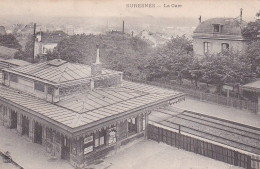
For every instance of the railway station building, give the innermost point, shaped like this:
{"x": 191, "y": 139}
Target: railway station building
{"x": 79, "y": 113}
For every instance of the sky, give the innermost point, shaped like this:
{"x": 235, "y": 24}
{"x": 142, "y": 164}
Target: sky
{"x": 118, "y": 8}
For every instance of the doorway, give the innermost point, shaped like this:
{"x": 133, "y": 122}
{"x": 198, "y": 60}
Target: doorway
{"x": 65, "y": 148}
{"x": 25, "y": 126}
{"x": 37, "y": 133}
{"x": 13, "y": 119}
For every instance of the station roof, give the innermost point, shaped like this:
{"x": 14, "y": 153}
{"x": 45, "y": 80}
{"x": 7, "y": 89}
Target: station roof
{"x": 56, "y": 71}
{"x": 4, "y": 63}
{"x": 215, "y": 129}
{"x": 253, "y": 86}
{"x": 93, "y": 107}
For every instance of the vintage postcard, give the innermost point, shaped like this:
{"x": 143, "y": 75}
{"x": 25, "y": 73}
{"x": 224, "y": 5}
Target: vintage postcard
{"x": 129, "y": 84}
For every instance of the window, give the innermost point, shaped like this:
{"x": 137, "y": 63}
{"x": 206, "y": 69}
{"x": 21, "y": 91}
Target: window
{"x": 225, "y": 47}
{"x": 112, "y": 135}
{"x": 216, "y": 28}
{"x": 100, "y": 138}
{"x": 38, "y": 86}
{"x": 88, "y": 139}
{"x": 88, "y": 149}
{"x": 206, "y": 47}
{"x": 13, "y": 78}
{"x": 88, "y": 144}
{"x": 50, "y": 90}
{"x": 132, "y": 125}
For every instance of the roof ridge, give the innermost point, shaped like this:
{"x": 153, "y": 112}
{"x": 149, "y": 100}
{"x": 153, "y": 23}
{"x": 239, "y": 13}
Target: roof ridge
{"x": 63, "y": 72}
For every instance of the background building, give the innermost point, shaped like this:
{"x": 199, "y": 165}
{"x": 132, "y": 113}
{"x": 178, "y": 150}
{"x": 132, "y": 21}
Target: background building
{"x": 219, "y": 34}
{"x": 47, "y": 41}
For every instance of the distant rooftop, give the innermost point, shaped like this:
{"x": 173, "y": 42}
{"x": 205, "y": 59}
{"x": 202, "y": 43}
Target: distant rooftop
{"x": 53, "y": 37}
{"x": 231, "y": 26}
{"x": 56, "y": 71}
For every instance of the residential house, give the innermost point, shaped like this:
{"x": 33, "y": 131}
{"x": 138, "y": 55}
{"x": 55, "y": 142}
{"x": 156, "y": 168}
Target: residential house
{"x": 215, "y": 35}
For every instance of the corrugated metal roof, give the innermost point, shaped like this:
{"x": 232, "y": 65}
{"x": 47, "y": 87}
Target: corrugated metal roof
{"x": 15, "y": 62}
{"x": 57, "y": 71}
{"x": 42, "y": 107}
{"x": 92, "y": 106}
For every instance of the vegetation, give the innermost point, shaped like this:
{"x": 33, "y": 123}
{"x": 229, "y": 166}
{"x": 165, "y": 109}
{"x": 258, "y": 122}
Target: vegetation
{"x": 172, "y": 62}
{"x": 118, "y": 51}
{"x": 9, "y": 40}
{"x": 27, "y": 54}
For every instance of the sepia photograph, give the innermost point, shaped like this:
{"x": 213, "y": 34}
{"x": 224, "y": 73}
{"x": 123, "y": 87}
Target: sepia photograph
{"x": 129, "y": 84}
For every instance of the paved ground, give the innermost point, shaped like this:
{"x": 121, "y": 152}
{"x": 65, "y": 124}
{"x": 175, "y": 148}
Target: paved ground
{"x": 27, "y": 154}
{"x": 229, "y": 113}
{"x": 142, "y": 155}
{"x": 152, "y": 155}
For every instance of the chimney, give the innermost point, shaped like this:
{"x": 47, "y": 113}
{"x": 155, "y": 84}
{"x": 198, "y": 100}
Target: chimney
{"x": 96, "y": 68}
{"x": 200, "y": 19}
{"x": 241, "y": 14}
{"x": 132, "y": 34}
{"x": 123, "y": 27}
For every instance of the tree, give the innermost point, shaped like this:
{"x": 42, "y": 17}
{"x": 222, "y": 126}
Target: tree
{"x": 195, "y": 71}
{"x": 172, "y": 60}
{"x": 252, "y": 33}
{"x": 9, "y": 41}
{"x": 118, "y": 51}
{"x": 253, "y": 56}
{"x": 27, "y": 54}
{"x": 225, "y": 68}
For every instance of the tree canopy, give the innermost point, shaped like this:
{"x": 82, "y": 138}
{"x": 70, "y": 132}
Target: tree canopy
{"x": 118, "y": 51}
{"x": 9, "y": 40}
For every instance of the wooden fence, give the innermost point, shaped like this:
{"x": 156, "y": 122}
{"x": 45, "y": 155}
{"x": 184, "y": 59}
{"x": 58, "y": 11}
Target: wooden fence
{"x": 208, "y": 97}
{"x": 201, "y": 147}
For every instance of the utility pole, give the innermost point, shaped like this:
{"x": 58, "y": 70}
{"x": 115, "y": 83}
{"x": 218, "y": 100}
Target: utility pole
{"x": 34, "y": 36}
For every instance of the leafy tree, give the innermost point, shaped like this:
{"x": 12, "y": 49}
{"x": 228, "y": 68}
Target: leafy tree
{"x": 195, "y": 71}
{"x": 172, "y": 60}
{"x": 9, "y": 40}
{"x": 253, "y": 56}
{"x": 229, "y": 68}
{"x": 27, "y": 54}
{"x": 118, "y": 51}
{"x": 250, "y": 32}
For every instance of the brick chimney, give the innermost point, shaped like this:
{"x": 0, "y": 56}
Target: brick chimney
{"x": 96, "y": 68}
